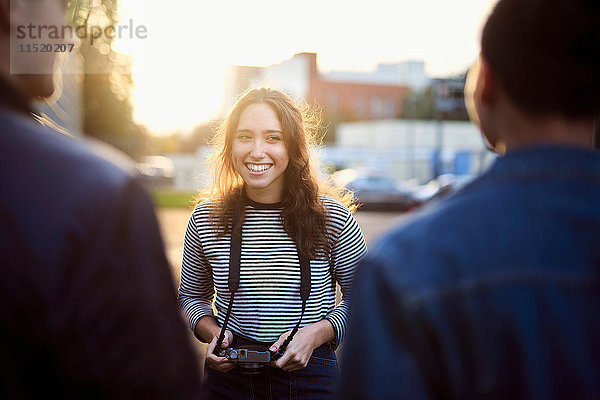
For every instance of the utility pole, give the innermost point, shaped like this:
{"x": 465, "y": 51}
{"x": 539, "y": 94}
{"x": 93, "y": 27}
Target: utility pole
{"x": 439, "y": 138}
{"x": 411, "y": 135}
{"x": 442, "y": 103}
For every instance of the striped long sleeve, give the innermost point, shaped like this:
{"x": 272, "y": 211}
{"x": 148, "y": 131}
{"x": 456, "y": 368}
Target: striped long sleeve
{"x": 267, "y": 302}
{"x": 196, "y": 290}
{"x": 347, "y": 251}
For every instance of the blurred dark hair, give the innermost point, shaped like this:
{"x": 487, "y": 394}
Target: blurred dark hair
{"x": 546, "y": 54}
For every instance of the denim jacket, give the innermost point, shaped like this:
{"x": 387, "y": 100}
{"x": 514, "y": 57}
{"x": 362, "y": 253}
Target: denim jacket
{"x": 491, "y": 294}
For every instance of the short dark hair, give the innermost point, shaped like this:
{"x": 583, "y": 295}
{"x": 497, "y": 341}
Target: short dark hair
{"x": 546, "y": 54}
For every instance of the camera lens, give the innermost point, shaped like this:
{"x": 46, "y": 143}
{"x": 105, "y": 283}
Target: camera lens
{"x": 251, "y": 368}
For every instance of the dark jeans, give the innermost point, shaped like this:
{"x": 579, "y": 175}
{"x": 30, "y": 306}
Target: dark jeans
{"x": 318, "y": 381}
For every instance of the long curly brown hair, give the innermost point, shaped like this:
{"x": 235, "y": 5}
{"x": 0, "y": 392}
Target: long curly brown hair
{"x": 303, "y": 214}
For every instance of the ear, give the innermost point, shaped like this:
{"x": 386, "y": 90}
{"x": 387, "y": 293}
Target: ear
{"x": 484, "y": 101}
{"x": 471, "y": 81}
{"x": 5, "y": 16}
{"x": 487, "y": 86}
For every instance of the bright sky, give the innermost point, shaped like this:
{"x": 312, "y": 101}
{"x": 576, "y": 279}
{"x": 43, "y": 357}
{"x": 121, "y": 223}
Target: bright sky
{"x": 179, "y": 68}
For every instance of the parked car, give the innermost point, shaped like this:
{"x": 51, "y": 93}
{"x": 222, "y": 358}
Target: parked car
{"x": 156, "y": 171}
{"x": 440, "y": 188}
{"x": 377, "y": 192}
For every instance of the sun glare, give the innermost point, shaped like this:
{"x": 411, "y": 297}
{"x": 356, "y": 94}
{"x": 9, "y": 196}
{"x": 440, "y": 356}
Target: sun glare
{"x": 179, "y": 69}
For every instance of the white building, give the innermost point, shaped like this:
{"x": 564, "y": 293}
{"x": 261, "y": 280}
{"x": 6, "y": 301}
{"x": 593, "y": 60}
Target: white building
{"x": 298, "y": 76}
{"x": 291, "y": 75}
{"x": 190, "y": 171}
{"x": 410, "y": 73}
{"x": 408, "y": 150}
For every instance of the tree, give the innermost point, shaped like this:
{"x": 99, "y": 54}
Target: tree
{"x": 420, "y": 104}
{"x": 200, "y": 136}
{"x": 443, "y": 98}
{"x": 107, "y": 80}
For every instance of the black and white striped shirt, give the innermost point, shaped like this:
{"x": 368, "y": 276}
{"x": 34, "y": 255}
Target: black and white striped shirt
{"x": 267, "y": 302}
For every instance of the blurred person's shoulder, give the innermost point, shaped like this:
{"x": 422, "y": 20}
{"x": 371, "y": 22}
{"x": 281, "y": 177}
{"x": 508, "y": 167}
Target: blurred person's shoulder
{"x": 63, "y": 196}
{"x": 40, "y": 153}
{"x": 440, "y": 217}
{"x": 436, "y": 246}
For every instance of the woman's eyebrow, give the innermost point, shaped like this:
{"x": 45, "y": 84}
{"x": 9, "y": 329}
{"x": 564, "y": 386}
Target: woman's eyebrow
{"x": 246, "y": 130}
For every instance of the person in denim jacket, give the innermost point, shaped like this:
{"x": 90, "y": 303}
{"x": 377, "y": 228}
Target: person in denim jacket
{"x": 494, "y": 293}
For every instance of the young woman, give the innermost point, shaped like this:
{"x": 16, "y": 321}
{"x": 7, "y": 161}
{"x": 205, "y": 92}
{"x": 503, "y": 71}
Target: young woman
{"x": 262, "y": 172}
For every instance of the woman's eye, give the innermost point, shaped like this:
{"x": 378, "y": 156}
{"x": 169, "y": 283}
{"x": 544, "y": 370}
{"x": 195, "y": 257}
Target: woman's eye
{"x": 273, "y": 138}
{"x": 243, "y": 137}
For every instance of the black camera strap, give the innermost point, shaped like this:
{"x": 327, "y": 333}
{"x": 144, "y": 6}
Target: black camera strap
{"x": 235, "y": 254}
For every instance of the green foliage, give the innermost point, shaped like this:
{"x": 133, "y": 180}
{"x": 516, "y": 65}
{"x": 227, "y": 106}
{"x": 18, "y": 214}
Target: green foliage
{"x": 420, "y": 104}
{"x": 201, "y": 136}
{"x": 108, "y": 112}
{"x": 77, "y": 11}
{"x": 172, "y": 199}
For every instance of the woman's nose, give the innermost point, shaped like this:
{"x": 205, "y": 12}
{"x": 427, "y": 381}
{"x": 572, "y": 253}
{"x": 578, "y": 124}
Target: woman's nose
{"x": 257, "y": 149}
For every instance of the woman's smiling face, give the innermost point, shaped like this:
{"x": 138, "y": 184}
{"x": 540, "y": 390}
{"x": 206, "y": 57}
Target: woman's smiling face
{"x": 259, "y": 153}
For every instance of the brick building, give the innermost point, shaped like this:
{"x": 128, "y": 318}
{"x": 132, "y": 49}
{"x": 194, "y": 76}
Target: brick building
{"x": 347, "y": 97}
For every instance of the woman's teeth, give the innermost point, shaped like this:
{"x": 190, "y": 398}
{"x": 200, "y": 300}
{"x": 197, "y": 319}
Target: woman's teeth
{"x": 258, "y": 167}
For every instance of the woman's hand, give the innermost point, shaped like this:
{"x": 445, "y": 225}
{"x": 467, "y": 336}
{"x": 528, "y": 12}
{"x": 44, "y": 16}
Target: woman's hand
{"x": 300, "y": 349}
{"x": 219, "y": 363}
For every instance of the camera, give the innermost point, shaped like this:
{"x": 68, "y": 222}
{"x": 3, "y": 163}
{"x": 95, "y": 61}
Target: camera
{"x": 251, "y": 359}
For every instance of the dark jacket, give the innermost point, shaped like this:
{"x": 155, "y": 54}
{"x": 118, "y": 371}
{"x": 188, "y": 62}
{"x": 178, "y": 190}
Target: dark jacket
{"x": 492, "y": 294}
{"x": 87, "y": 303}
